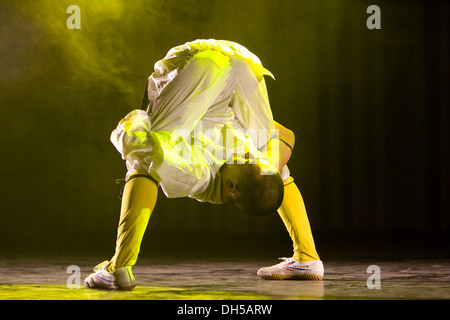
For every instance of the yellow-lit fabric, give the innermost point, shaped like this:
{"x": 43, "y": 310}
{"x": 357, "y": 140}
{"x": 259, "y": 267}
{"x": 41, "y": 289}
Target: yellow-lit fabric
{"x": 138, "y": 201}
{"x": 207, "y": 91}
{"x": 293, "y": 213}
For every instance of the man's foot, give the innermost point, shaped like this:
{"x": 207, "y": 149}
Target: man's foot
{"x": 121, "y": 279}
{"x": 291, "y": 269}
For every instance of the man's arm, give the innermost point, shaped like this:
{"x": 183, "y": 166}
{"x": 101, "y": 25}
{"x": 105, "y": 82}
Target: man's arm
{"x": 285, "y": 141}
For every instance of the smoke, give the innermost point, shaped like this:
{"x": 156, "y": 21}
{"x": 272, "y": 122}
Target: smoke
{"x": 117, "y": 45}
{"x": 34, "y": 35}
{"x": 20, "y": 48}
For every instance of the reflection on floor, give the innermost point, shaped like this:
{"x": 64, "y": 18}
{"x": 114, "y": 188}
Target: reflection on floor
{"x": 169, "y": 279}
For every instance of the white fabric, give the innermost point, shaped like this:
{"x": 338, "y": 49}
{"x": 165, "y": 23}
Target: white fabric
{"x": 208, "y": 100}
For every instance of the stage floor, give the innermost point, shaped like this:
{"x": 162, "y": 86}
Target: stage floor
{"x": 169, "y": 279}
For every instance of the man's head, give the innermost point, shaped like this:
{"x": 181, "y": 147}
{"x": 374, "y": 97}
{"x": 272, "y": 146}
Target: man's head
{"x": 254, "y": 189}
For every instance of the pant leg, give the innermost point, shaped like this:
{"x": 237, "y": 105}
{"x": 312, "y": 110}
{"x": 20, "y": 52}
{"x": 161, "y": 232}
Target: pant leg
{"x": 251, "y": 104}
{"x": 179, "y": 107}
{"x": 184, "y": 100}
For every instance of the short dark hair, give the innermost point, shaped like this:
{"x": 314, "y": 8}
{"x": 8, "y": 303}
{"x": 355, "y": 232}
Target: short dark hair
{"x": 259, "y": 194}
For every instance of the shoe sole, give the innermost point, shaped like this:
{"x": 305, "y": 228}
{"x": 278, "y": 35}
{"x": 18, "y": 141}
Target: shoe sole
{"x": 128, "y": 288}
{"x": 313, "y": 277}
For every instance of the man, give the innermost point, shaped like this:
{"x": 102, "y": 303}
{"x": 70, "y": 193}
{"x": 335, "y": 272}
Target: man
{"x": 208, "y": 133}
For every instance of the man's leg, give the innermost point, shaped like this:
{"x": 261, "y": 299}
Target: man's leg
{"x": 138, "y": 201}
{"x": 305, "y": 263}
{"x": 293, "y": 213}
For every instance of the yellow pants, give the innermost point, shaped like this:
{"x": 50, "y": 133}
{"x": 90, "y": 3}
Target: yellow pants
{"x": 139, "y": 199}
{"x": 293, "y": 213}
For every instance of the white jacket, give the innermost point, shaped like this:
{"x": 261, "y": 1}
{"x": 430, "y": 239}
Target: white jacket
{"x": 207, "y": 100}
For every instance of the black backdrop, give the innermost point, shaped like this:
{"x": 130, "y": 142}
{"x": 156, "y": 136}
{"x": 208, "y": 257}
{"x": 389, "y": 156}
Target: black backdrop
{"x": 370, "y": 109}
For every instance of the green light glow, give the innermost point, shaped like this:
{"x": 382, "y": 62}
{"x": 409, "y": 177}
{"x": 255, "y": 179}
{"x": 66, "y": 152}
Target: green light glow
{"x": 61, "y": 292}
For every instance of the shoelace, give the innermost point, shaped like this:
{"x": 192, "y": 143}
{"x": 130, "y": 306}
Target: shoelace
{"x": 101, "y": 266}
{"x": 284, "y": 260}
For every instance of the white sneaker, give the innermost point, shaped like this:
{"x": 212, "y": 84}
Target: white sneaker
{"x": 291, "y": 269}
{"x": 121, "y": 279}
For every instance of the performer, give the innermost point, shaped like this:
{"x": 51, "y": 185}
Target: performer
{"x": 207, "y": 133}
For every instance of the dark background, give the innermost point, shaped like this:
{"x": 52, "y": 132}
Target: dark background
{"x": 370, "y": 109}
